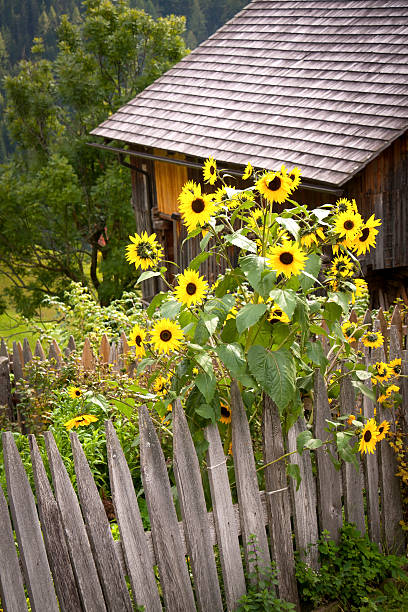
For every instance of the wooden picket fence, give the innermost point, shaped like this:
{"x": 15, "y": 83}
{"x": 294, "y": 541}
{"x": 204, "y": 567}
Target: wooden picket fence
{"x": 68, "y": 559}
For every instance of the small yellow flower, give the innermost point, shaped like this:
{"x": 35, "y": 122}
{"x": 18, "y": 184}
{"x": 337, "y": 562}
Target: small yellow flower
{"x": 145, "y": 252}
{"x": 348, "y": 328}
{"x": 80, "y": 421}
{"x": 381, "y": 372}
{"x": 383, "y": 429}
{"x": 166, "y": 336}
{"x": 191, "y": 288}
{"x": 210, "y": 170}
{"x": 137, "y": 339}
{"x": 277, "y": 314}
{"x": 274, "y": 186}
{"x": 351, "y": 419}
{"x": 74, "y": 392}
{"x": 391, "y": 389}
{"x": 162, "y": 385}
{"x": 395, "y": 367}
{"x": 342, "y": 266}
{"x": 247, "y": 172}
{"x": 369, "y": 437}
{"x": 348, "y": 226}
{"x": 225, "y": 412}
{"x": 372, "y": 339}
{"x": 287, "y": 258}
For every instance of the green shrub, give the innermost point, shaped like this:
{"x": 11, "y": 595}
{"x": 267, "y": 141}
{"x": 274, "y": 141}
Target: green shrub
{"x": 350, "y": 571}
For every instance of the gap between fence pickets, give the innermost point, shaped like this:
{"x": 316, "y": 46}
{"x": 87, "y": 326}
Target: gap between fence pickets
{"x": 213, "y": 535}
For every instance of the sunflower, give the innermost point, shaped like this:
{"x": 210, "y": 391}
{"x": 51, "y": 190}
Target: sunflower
{"x": 225, "y": 413}
{"x": 277, "y": 314}
{"x": 191, "y": 288}
{"x": 287, "y": 259}
{"x": 382, "y": 398}
{"x": 82, "y": 420}
{"x": 256, "y": 220}
{"x": 369, "y": 437}
{"x": 274, "y": 186}
{"x": 342, "y": 266}
{"x": 294, "y": 177}
{"x": 383, "y": 429}
{"x": 247, "y": 172}
{"x": 145, "y": 252}
{"x": 350, "y": 419}
{"x": 339, "y": 247}
{"x": 372, "y": 339}
{"x": 310, "y": 237}
{"x": 195, "y": 207}
{"x": 348, "y": 328}
{"x": 137, "y": 339}
{"x": 74, "y": 392}
{"x": 391, "y": 389}
{"x": 162, "y": 384}
{"x": 381, "y": 372}
{"x": 361, "y": 287}
{"x": 348, "y": 225}
{"x": 366, "y": 238}
{"x": 345, "y": 205}
{"x": 166, "y": 336}
{"x": 395, "y": 367}
{"x": 210, "y": 170}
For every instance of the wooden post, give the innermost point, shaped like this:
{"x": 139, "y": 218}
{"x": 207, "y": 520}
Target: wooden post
{"x": 5, "y": 387}
{"x": 88, "y": 358}
{"x": 278, "y": 502}
{"x": 39, "y": 351}
{"x": 104, "y": 350}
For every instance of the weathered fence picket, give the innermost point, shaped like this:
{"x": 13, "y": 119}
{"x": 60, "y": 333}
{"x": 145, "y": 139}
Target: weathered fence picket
{"x": 278, "y": 502}
{"x": 83, "y": 563}
{"x": 27, "y": 527}
{"x": 328, "y": 479}
{"x": 174, "y": 578}
{"x": 224, "y": 519}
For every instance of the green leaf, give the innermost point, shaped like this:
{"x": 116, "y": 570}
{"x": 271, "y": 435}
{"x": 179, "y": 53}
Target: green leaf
{"x": 170, "y": 309}
{"x": 293, "y": 471}
{"x": 229, "y": 332}
{"x": 289, "y": 224}
{"x": 206, "y": 411}
{"x": 316, "y": 354}
{"x": 204, "y": 241}
{"x": 201, "y": 333}
{"x": 285, "y": 299}
{"x": 370, "y": 393}
{"x": 123, "y": 408}
{"x": 197, "y": 261}
{"x": 202, "y": 358}
{"x": 206, "y": 383}
{"x": 309, "y": 275}
{"x": 313, "y": 443}
{"x": 362, "y": 374}
{"x": 257, "y": 273}
{"x": 241, "y": 241}
{"x": 302, "y": 440}
{"x": 344, "y": 448}
{"x": 340, "y": 298}
{"x": 210, "y": 321}
{"x": 275, "y": 372}
{"x": 232, "y": 356}
{"x": 332, "y": 313}
{"x": 143, "y": 364}
{"x": 249, "y": 315}
{"x": 147, "y": 274}
{"x": 156, "y": 302}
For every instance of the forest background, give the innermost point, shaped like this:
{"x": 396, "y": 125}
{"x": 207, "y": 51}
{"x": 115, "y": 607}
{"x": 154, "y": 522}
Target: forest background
{"x": 65, "y": 66}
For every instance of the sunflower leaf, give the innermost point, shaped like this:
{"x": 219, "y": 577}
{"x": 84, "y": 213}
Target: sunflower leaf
{"x": 147, "y": 274}
{"x": 206, "y": 382}
{"x": 308, "y": 277}
{"x": 290, "y": 225}
{"x": 207, "y": 412}
{"x": 256, "y": 271}
{"x": 232, "y": 356}
{"x": 285, "y": 299}
{"x": 197, "y": 261}
{"x": 302, "y": 439}
{"x": 275, "y": 372}
{"x": 293, "y": 471}
{"x": 370, "y": 393}
{"x": 249, "y": 315}
{"x": 241, "y": 241}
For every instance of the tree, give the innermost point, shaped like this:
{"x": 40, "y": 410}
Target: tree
{"x": 65, "y": 211}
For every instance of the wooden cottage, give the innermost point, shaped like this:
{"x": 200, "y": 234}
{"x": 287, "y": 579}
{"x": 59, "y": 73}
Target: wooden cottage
{"x": 319, "y": 84}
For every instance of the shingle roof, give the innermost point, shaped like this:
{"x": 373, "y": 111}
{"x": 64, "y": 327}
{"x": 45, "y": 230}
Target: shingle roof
{"x": 314, "y": 83}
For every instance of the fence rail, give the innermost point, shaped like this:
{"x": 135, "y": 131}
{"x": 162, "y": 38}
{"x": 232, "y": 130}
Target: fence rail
{"x": 68, "y": 558}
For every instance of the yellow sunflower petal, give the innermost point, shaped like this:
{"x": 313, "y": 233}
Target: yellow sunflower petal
{"x": 166, "y": 336}
{"x": 287, "y": 259}
{"x": 191, "y": 288}
{"x": 210, "y": 170}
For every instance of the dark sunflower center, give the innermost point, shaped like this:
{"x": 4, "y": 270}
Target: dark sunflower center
{"x": 278, "y": 313}
{"x": 165, "y": 335}
{"x": 274, "y": 184}
{"x": 138, "y": 340}
{"x": 80, "y": 419}
{"x": 381, "y": 429}
{"x": 212, "y": 169}
{"x": 396, "y": 369}
{"x": 286, "y": 258}
{"x": 292, "y": 177}
{"x": 144, "y": 250}
{"x": 364, "y": 234}
{"x": 191, "y": 288}
{"x": 367, "y": 436}
{"x": 225, "y": 411}
{"x": 372, "y": 337}
{"x": 198, "y": 205}
{"x": 77, "y": 393}
{"x": 259, "y": 221}
{"x": 348, "y": 225}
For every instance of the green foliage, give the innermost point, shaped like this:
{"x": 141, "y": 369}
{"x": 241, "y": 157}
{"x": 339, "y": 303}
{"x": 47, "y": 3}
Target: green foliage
{"x": 261, "y": 594}
{"x": 65, "y": 208}
{"x": 350, "y": 572}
